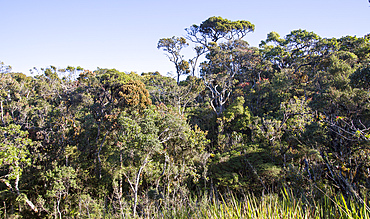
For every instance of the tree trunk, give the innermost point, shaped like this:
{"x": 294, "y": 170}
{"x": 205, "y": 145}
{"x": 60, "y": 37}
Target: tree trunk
{"x": 2, "y": 112}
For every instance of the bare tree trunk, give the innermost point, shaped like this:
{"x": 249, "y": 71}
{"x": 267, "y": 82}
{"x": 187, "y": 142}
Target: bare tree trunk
{"x": 29, "y": 203}
{"x": 2, "y": 112}
{"x": 135, "y": 186}
{"x": 58, "y": 208}
{"x": 120, "y": 193}
{"x": 99, "y": 161}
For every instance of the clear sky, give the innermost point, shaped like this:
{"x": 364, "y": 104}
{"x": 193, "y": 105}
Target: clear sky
{"x": 124, "y": 34}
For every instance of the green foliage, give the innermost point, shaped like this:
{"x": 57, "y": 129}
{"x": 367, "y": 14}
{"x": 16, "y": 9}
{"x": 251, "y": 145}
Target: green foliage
{"x": 173, "y": 47}
{"x": 61, "y": 183}
{"x": 14, "y": 154}
{"x": 361, "y": 77}
{"x": 237, "y": 109}
{"x": 296, "y": 50}
{"x": 165, "y": 90}
{"x": 226, "y": 62}
{"x": 292, "y": 114}
{"x": 216, "y": 28}
{"x": 14, "y": 158}
{"x": 249, "y": 167}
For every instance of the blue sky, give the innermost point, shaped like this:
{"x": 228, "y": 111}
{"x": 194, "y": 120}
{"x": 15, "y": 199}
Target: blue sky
{"x": 124, "y": 34}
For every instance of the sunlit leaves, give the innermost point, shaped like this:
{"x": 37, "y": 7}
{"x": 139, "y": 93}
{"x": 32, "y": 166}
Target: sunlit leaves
{"x": 14, "y": 154}
{"x": 215, "y": 28}
{"x": 132, "y": 95}
{"x": 173, "y": 47}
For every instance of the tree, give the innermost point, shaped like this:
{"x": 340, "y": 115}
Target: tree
{"x": 296, "y": 50}
{"x": 360, "y": 46}
{"x": 199, "y": 51}
{"x": 60, "y": 181}
{"x": 215, "y": 28}
{"x": 165, "y": 90}
{"x": 361, "y": 78}
{"x": 157, "y": 148}
{"x": 5, "y": 68}
{"x": 173, "y": 47}
{"x": 14, "y": 158}
{"x": 226, "y": 61}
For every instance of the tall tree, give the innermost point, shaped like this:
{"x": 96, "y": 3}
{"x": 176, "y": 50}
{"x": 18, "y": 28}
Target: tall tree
{"x": 173, "y": 47}
{"x": 225, "y": 62}
{"x": 215, "y": 28}
{"x": 164, "y": 90}
{"x": 14, "y": 158}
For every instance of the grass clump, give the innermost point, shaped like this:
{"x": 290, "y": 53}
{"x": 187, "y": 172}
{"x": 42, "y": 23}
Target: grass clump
{"x": 269, "y": 206}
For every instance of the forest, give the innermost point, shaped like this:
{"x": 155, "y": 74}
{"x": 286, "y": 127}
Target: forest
{"x": 276, "y": 131}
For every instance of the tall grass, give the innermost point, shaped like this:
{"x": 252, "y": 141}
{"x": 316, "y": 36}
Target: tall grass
{"x": 270, "y": 206}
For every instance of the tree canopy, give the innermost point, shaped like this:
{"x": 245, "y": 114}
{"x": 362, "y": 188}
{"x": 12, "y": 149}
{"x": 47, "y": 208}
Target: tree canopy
{"x": 290, "y": 115}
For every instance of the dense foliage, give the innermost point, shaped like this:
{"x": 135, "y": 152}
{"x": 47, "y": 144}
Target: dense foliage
{"x": 293, "y": 113}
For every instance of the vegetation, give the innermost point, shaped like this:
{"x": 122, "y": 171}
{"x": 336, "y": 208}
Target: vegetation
{"x": 278, "y": 131}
